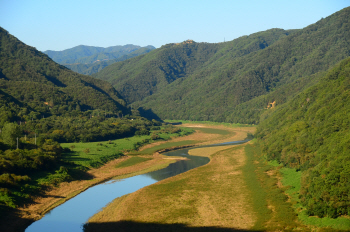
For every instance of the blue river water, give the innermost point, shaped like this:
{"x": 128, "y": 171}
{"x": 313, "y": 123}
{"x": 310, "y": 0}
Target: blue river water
{"x": 72, "y": 215}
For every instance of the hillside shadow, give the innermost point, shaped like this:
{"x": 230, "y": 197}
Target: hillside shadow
{"x": 2, "y": 76}
{"x": 131, "y": 226}
{"x": 55, "y": 81}
{"x": 175, "y": 123}
{"x": 73, "y": 156}
{"x": 11, "y": 221}
{"x": 149, "y": 114}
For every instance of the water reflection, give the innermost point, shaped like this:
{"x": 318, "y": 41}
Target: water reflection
{"x": 185, "y": 165}
{"x": 178, "y": 167}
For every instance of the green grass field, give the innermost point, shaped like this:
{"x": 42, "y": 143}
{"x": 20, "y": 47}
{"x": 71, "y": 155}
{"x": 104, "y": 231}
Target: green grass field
{"x": 273, "y": 211}
{"x": 291, "y": 180}
{"x": 99, "y": 152}
{"x": 95, "y": 154}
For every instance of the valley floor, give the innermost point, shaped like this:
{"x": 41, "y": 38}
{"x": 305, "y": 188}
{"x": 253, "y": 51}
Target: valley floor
{"x": 213, "y": 196}
{"x": 20, "y": 219}
{"x": 235, "y": 191}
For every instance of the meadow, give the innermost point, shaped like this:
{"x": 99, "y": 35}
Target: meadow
{"x": 95, "y": 154}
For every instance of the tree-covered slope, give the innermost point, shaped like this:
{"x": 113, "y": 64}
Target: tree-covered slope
{"x": 232, "y": 81}
{"x": 31, "y": 81}
{"x": 88, "y": 59}
{"x": 174, "y": 63}
{"x": 311, "y": 132}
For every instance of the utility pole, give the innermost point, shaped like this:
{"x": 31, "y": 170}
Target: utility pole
{"x": 35, "y": 138}
{"x": 17, "y": 142}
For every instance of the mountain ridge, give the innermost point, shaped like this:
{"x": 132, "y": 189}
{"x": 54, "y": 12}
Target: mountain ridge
{"x": 33, "y": 78}
{"x": 231, "y": 81}
{"x": 90, "y": 59}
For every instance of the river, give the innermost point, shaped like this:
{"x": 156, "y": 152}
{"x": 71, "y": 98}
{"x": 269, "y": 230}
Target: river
{"x": 73, "y": 214}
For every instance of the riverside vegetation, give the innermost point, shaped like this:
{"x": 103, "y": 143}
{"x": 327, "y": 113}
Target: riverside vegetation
{"x": 28, "y": 173}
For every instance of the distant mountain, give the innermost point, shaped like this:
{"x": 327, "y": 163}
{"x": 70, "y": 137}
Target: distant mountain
{"x": 88, "y": 59}
{"x": 89, "y": 69}
{"x": 31, "y": 82}
{"x": 233, "y": 81}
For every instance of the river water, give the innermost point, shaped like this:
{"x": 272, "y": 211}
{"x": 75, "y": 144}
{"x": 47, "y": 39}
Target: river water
{"x": 72, "y": 215}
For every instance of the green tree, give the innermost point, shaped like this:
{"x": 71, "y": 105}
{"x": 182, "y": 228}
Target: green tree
{"x": 9, "y": 134}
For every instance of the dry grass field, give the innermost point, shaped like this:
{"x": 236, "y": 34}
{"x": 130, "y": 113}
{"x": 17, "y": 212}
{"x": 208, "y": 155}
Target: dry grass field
{"x": 58, "y": 195}
{"x": 212, "y": 197}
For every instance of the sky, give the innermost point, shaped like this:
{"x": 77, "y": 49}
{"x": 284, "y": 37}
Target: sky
{"x": 58, "y": 25}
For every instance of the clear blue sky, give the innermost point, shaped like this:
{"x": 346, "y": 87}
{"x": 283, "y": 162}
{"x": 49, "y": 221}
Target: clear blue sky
{"x": 58, "y": 25}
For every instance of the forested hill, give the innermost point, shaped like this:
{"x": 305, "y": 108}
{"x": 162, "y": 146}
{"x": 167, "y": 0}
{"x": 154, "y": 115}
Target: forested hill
{"x": 233, "y": 81}
{"x": 152, "y": 72}
{"x": 88, "y": 59}
{"x": 31, "y": 82}
{"x": 311, "y": 132}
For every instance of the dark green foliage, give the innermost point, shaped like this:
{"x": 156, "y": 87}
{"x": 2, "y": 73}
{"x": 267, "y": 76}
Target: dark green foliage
{"x": 84, "y": 127}
{"x": 17, "y": 165}
{"x": 174, "y": 62}
{"x": 9, "y": 133}
{"x": 232, "y": 81}
{"x": 33, "y": 86}
{"x": 311, "y": 133}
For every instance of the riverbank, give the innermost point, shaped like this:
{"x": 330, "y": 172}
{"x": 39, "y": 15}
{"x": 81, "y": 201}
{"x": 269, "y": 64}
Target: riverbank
{"x": 236, "y": 191}
{"x": 210, "y": 197}
{"x": 65, "y": 191}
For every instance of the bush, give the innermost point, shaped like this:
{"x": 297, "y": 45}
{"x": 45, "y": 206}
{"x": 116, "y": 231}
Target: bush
{"x": 155, "y": 137}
